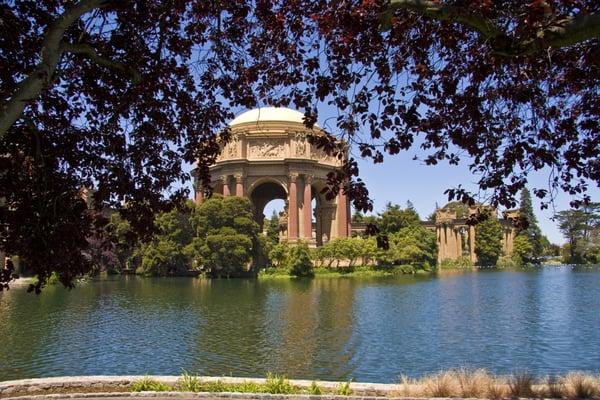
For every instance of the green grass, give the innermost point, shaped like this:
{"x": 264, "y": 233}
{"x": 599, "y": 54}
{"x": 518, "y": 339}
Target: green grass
{"x": 147, "y": 384}
{"x": 279, "y": 384}
{"x": 314, "y": 389}
{"x": 275, "y": 384}
{"x": 343, "y": 389}
{"x": 355, "y": 272}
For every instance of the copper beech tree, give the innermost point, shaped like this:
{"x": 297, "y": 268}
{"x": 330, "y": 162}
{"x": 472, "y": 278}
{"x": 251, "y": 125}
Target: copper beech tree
{"x": 115, "y": 95}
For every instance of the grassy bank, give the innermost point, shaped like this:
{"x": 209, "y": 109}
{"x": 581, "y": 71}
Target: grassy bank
{"x": 359, "y": 271}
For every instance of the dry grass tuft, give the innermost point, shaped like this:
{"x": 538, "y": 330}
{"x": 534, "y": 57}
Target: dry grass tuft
{"x": 554, "y": 388}
{"x": 580, "y": 386}
{"x": 443, "y": 384}
{"x": 480, "y": 384}
{"x": 473, "y": 383}
{"x": 521, "y": 385}
{"x": 496, "y": 390}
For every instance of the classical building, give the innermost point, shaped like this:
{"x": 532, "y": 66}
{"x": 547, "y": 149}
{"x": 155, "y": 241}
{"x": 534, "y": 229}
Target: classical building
{"x": 456, "y": 238}
{"x": 269, "y": 157}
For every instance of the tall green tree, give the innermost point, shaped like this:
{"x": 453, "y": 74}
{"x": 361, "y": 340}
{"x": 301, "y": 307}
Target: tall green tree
{"x": 164, "y": 254}
{"x": 532, "y": 232}
{"x": 580, "y": 227}
{"x": 412, "y": 245}
{"x": 394, "y": 218}
{"x": 488, "y": 241}
{"x": 273, "y": 228}
{"x": 225, "y": 235}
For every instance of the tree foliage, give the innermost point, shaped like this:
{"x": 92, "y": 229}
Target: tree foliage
{"x": 226, "y": 235}
{"x": 413, "y": 245}
{"x": 581, "y": 228}
{"x": 394, "y": 218}
{"x": 298, "y": 261}
{"x": 488, "y": 241}
{"x": 115, "y": 95}
{"x": 531, "y": 231}
{"x": 164, "y": 254}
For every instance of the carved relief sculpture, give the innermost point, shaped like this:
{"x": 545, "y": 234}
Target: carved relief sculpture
{"x": 267, "y": 149}
{"x": 301, "y": 144}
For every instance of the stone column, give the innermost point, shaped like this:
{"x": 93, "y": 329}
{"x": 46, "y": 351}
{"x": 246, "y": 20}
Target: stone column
{"x": 472, "y": 254}
{"x": 225, "y": 180}
{"x": 458, "y": 242}
{"x": 239, "y": 185}
{"x": 440, "y": 242}
{"x": 199, "y": 197}
{"x": 307, "y": 209}
{"x": 342, "y": 214}
{"x": 293, "y": 208}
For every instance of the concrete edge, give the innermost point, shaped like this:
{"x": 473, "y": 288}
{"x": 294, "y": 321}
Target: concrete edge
{"x": 31, "y": 386}
{"x": 206, "y": 395}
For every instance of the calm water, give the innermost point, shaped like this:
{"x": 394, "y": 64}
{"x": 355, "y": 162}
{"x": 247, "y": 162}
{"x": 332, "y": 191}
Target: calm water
{"x": 546, "y": 322}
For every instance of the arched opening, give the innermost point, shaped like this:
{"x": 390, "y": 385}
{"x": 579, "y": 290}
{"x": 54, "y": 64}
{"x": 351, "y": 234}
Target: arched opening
{"x": 264, "y": 194}
{"x": 272, "y": 214}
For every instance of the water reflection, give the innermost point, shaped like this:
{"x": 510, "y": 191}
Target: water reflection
{"x": 372, "y": 330}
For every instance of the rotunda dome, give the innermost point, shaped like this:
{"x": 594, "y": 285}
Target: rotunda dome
{"x": 269, "y": 114}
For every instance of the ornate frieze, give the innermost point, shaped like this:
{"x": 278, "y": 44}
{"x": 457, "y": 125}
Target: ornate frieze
{"x": 266, "y": 148}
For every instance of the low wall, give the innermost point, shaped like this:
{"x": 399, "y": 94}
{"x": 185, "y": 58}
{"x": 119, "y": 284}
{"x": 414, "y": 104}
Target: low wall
{"x": 115, "y": 384}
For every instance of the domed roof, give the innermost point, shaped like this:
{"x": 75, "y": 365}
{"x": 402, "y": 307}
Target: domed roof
{"x": 263, "y": 114}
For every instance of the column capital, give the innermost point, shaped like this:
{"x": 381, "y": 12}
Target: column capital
{"x": 293, "y": 176}
{"x": 308, "y": 178}
{"x": 238, "y": 177}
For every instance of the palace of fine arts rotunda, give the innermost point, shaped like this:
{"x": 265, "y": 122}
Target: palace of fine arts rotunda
{"x": 269, "y": 157}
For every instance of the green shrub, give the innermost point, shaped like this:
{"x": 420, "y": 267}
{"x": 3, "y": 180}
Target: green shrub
{"x": 298, "y": 260}
{"x": 189, "y": 383}
{"x": 315, "y": 389}
{"x": 147, "y": 384}
{"x": 278, "y": 254}
{"x": 278, "y": 384}
{"x": 248, "y": 387}
{"x": 461, "y": 263}
{"x": 343, "y": 389}
{"x": 508, "y": 262}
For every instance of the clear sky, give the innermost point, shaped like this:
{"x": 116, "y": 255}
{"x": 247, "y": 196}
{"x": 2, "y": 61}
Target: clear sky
{"x": 399, "y": 178}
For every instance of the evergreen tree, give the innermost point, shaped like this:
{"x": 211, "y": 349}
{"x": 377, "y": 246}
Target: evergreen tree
{"x": 488, "y": 241}
{"x": 532, "y": 232}
{"x": 273, "y": 228}
{"x": 581, "y": 228}
{"x": 394, "y": 218}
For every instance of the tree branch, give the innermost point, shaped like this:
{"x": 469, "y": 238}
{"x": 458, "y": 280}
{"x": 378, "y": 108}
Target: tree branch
{"x": 30, "y": 88}
{"x": 90, "y": 52}
{"x": 563, "y": 32}
{"x": 441, "y": 12}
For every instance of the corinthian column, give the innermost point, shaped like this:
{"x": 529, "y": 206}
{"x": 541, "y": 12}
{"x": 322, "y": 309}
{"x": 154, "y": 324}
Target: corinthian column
{"x": 225, "y": 180}
{"x": 239, "y": 185}
{"x": 293, "y": 208}
{"x": 307, "y": 209}
{"x": 342, "y": 213}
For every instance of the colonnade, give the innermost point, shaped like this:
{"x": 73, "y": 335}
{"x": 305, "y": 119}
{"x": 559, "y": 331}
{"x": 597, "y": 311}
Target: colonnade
{"x": 300, "y": 192}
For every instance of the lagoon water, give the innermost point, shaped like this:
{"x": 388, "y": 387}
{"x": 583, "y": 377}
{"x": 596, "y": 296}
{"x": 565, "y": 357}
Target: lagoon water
{"x": 545, "y": 321}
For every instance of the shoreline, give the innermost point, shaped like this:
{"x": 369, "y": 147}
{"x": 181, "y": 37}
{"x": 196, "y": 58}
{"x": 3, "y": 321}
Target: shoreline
{"x": 475, "y": 383}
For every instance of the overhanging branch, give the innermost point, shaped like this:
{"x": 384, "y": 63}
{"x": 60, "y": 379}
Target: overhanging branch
{"x": 90, "y": 52}
{"x": 562, "y": 32}
{"x": 30, "y": 88}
